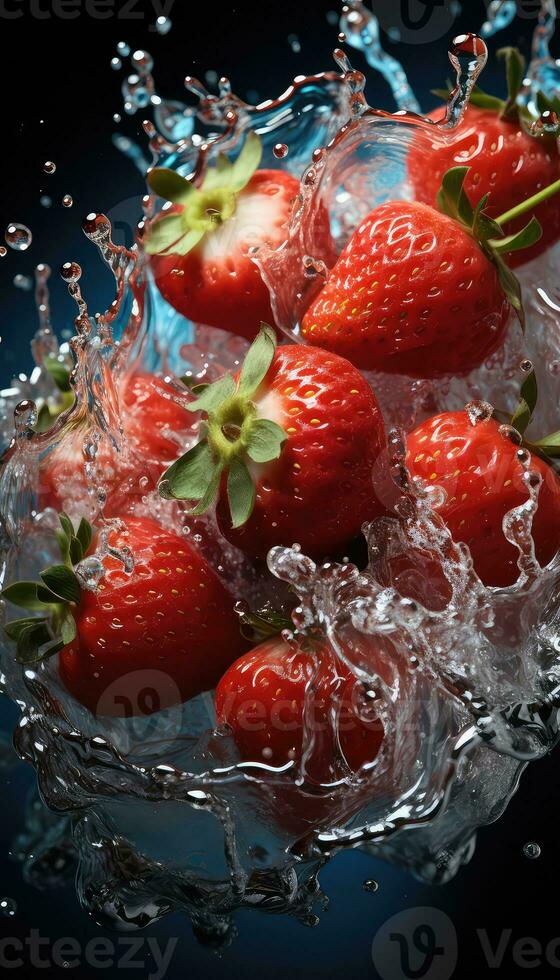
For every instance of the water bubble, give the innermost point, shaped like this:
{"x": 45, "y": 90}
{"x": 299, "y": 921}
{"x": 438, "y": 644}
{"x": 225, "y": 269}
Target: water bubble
{"x": 142, "y": 61}
{"x": 45, "y": 201}
{"x": 18, "y": 237}
{"x": 370, "y": 885}
{"x": 3, "y": 251}
{"x": 479, "y": 411}
{"x": 23, "y": 282}
{"x": 97, "y": 227}
{"x": 25, "y": 417}
{"x": 116, "y": 64}
{"x": 123, "y": 48}
{"x": 89, "y": 572}
{"x": 342, "y": 37}
{"x": 280, "y": 151}
{"x": 71, "y": 272}
{"x": 526, "y": 365}
{"x": 332, "y": 17}
{"x": 8, "y": 907}
{"x": 163, "y": 25}
{"x": 67, "y": 201}
{"x": 49, "y": 167}
{"x": 532, "y": 850}
{"x": 116, "y": 117}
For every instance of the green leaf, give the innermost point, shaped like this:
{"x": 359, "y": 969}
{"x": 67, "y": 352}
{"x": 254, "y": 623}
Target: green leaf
{"x": 484, "y": 101}
{"x": 190, "y": 477}
{"x": 550, "y": 446}
{"x": 218, "y": 176}
{"x": 211, "y": 491}
{"x": 263, "y": 623}
{"x": 76, "y": 551}
{"x": 531, "y": 234}
{"x": 164, "y": 233}
{"x": 452, "y": 199}
{"x": 189, "y": 241}
{"x": 548, "y": 104}
{"x": 258, "y": 360}
{"x": 213, "y": 395}
{"x": 66, "y": 525}
{"x": 246, "y": 164}
{"x": 15, "y": 629}
{"x": 515, "y": 71}
{"x": 266, "y": 439}
{"x": 63, "y": 582}
{"x": 84, "y": 534}
{"x": 23, "y": 594}
{"x": 511, "y": 287}
{"x": 442, "y": 93}
{"x": 68, "y": 629}
{"x": 527, "y": 404}
{"x": 47, "y": 597}
{"x": 241, "y": 493}
{"x": 169, "y": 185}
{"x": 59, "y": 372}
{"x": 63, "y": 544}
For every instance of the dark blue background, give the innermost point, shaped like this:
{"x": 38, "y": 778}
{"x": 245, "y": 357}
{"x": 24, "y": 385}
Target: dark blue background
{"x": 58, "y": 71}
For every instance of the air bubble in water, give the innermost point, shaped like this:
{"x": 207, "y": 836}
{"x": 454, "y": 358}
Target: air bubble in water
{"x": 116, "y": 64}
{"x": 280, "y": 151}
{"x": 18, "y": 237}
{"x": 123, "y": 48}
{"x": 71, "y": 272}
{"x": 163, "y": 25}
{"x": 8, "y": 907}
{"x": 116, "y": 117}
{"x": 49, "y": 167}
{"x": 67, "y": 201}
{"x": 23, "y": 282}
{"x": 532, "y": 850}
{"x": 370, "y": 885}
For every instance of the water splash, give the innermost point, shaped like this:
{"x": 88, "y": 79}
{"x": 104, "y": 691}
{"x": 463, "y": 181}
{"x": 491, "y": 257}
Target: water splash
{"x": 500, "y": 14}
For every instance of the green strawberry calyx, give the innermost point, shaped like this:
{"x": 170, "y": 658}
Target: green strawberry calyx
{"x": 50, "y": 410}
{"x": 234, "y": 439}
{"x": 54, "y": 597}
{"x": 488, "y": 232}
{"x": 548, "y": 447}
{"x": 203, "y": 209}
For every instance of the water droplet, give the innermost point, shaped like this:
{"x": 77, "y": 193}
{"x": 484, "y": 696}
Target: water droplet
{"x": 46, "y": 201}
{"x": 532, "y": 850}
{"x": 67, "y": 201}
{"x": 123, "y": 48}
{"x": 71, "y": 272}
{"x": 8, "y": 907}
{"x": 342, "y": 37}
{"x": 3, "y": 251}
{"x": 370, "y": 885}
{"x": 90, "y": 571}
{"x": 49, "y": 167}
{"x": 294, "y": 42}
{"x": 18, "y": 237}
{"x": 332, "y": 17}
{"x": 142, "y": 61}
{"x": 23, "y": 282}
{"x": 163, "y": 25}
{"x": 97, "y": 227}
{"x": 25, "y": 417}
{"x": 547, "y": 125}
{"x": 479, "y": 411}
{"x": 526, "y": 365}
{"x": 116, "y": 64}
{"x": 280, "y": 151}
{"x": 116, "y": 117}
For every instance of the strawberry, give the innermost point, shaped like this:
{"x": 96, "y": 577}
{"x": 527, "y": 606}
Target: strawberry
{"x": 505, "y": 160}
{"x": 201, "y": 249}
{"x": 288, "y": 450}
{"x": 170, "y": 616}
{"x": 263, "y": 698}
{"x": 419, "y": 292}
{"x": 151, "y": 425}
{"x": 478, "y": 466}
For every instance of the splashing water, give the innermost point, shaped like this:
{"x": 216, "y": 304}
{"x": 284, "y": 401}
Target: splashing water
{"x": 472, "y": 688}
{"x": 501, "y": 13}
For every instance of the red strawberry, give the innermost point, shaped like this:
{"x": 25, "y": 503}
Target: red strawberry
{"x": 152, "y": 425}
{"x": 262, "y": 697}
{"x": 171, "y": 617}
{"x": 201, "y": 249}
{"x": 478, "y": 467}
{"x": 289, "y": 450}
{"x": 411, "y": 293}
{"x": 504, "y": 160}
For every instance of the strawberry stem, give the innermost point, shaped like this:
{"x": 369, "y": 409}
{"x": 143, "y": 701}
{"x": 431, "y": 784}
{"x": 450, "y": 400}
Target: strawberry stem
{"x": 529, "y": 204}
